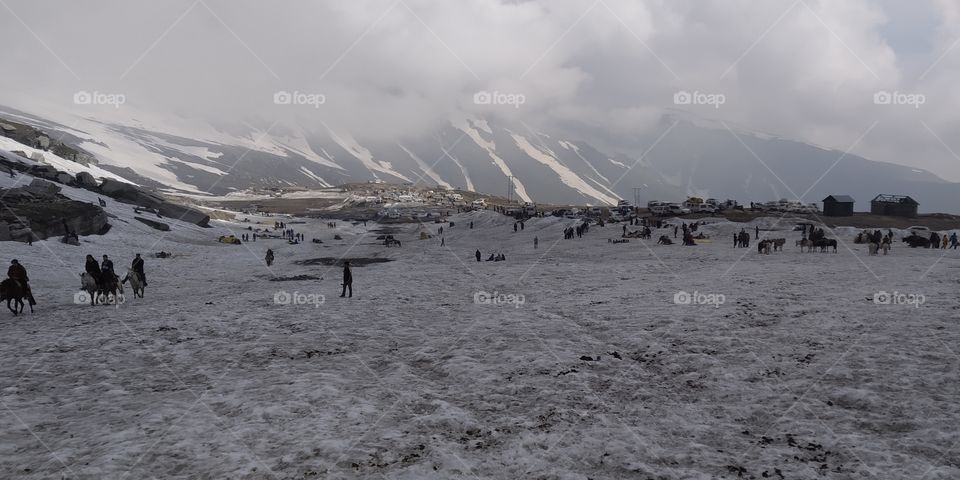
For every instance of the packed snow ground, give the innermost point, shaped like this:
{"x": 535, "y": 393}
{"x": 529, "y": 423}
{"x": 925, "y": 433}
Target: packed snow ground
{"x": 798, "y": 373}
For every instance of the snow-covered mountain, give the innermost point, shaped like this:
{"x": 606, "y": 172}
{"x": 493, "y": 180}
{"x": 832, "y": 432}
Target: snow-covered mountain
{"x": 684, "y": 156}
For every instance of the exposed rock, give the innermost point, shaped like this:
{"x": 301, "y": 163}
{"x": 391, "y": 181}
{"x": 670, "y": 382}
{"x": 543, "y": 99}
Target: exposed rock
{"x": 135, "y": 195}
{"x": 42, "y": 187}
{"x": 65, "y": 178}
{"x": 85, "y": 180}
{"x": 38, "y": 212}
{"x": 163, "y": 227}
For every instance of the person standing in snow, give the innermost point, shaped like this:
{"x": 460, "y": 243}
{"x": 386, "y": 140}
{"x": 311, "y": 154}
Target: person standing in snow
{"x": 443, "y": 242}
{"x": 347, "y": 280}
{"x": 478, "y": 255}
{"x": 137, "y": 267}
{"x": 756, "y": 235}
{"x": 536, "y": 242}
{"x": 269, "y": 257}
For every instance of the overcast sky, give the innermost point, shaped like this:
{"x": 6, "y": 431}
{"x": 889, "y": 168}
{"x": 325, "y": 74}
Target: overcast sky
{"x": 803, "y": 69}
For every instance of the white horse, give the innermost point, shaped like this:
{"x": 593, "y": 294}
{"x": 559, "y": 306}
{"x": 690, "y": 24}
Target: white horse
{"x": 136, "y": 282}
{"x": 873, "y": 248}
{"x": 89, "y": 284}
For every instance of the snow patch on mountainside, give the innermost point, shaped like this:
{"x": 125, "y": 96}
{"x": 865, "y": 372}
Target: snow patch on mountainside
{"x": 348, "y": 143}
{"x": 567, "y": 176}
{"x": 60, "y": 163}
{"x": 426, "y": 169}
{"x": 490, "y": 147}
{"x": 306, "y": 171}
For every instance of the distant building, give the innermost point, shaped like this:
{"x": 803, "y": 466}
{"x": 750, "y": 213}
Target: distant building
{"x": 894, "y": 206}
{"x": 838, "y": 206}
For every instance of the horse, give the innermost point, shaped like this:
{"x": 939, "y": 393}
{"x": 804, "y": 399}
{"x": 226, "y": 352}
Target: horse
{"x": 885, "y": 246}
{"x": 112, "y": 286}
{"x": 824, "y": 243}
{"x": 136, "y": 282}
{"x": 915, "y": 241}
{"x": 89, "y": 285}
{"x": 873, "y": 248}
{"x": 12, "y": 291}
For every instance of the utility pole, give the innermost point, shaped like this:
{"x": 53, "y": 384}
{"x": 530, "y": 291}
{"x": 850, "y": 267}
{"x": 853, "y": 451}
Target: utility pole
{"x": 510, "y": 189}
{"x": 636, "y": 197}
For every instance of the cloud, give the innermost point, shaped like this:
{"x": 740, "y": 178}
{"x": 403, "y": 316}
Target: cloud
{"x": 389, "y": 69}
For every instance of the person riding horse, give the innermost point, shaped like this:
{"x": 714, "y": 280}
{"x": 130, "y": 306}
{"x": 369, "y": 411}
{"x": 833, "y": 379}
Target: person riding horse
{"x": 93, "y": 269}
{"x": 137, "y": 266}
{"x": 17, "y": 273}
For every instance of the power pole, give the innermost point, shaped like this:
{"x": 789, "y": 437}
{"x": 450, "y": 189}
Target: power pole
{"x": 636, "y": 197}
{"x": 510, "y": 189}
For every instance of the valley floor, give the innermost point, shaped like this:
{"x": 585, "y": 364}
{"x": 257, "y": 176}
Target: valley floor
{"x": 597, "y": 374}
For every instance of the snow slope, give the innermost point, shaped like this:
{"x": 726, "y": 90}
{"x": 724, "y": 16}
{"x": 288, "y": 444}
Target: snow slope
{"x": 797, "y": 372}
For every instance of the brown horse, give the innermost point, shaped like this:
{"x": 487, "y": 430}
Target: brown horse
{"x": 12, "y": 291}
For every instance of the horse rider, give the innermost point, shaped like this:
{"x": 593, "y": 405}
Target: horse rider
{"x": 107, "y": 273}
{"x": 269, "y": 257}
{"x": 93, "y": 269}
{"x": 17, "y": 273}
{"x": 137, "y": 267}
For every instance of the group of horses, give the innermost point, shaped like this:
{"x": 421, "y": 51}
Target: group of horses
{"x": 111, "y": 289}
{"x": 18, "y": 296}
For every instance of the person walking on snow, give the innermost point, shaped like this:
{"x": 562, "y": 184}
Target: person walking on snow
{"x": 536, "y": 242}
{"x": 347, "y": 280}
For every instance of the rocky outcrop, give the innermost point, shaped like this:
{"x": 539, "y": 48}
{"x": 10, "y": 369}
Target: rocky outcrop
{"x": 85, "y": 180}
{"x": 163, "y": 227}
{"x": 129, "y": 193}
{"x": 37, "y": 211}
